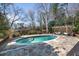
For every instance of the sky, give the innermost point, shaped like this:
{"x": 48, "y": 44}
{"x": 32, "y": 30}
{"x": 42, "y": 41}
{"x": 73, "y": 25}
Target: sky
{"x": 32, "y": 6}
{"x": 25, "y": 7}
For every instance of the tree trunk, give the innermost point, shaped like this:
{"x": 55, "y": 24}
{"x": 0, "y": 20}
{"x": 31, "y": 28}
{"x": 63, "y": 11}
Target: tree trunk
{"x": 46, "y": 23}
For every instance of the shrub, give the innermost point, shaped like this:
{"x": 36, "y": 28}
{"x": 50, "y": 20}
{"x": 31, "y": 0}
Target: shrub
{"x": 50, "y": 25}
{"x": 76, "y": 29}
{"x": 32, "y": 32}
{"x": 10, "y": 33}
{"x": 16, "y": 34}
{"x": 2, "y": 35}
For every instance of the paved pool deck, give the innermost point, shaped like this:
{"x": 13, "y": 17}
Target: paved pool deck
{"x": 61, "y": 46}
{"x": 64, "y": 44}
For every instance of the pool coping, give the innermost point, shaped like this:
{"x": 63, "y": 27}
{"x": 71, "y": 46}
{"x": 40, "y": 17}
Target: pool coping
{"x": 26, "y": 36}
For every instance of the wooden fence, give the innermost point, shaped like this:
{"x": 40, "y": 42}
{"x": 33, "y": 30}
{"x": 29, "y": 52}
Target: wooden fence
{"x": 62, "y": 29}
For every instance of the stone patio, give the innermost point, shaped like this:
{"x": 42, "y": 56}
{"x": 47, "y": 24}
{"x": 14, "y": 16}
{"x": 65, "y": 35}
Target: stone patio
{"x": 59, "y": 47}
{"x": 63, "y": 46}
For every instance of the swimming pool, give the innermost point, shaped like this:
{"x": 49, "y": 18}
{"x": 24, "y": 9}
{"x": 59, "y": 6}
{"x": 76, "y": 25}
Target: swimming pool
{"x": 34, "y": 39}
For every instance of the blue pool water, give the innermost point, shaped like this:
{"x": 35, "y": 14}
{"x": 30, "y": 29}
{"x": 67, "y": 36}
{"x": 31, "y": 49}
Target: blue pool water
{"x": 35, "y": 39}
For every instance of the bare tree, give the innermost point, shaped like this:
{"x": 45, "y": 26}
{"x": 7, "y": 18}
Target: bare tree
{"x": 31, "y": 17}
{"x": 41, "y": 20}
{"x": 44, "y": 8}
{"x": 15, "y": 14}
{"x": 4, "y": 9}
{"x": 65, "y": 7}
